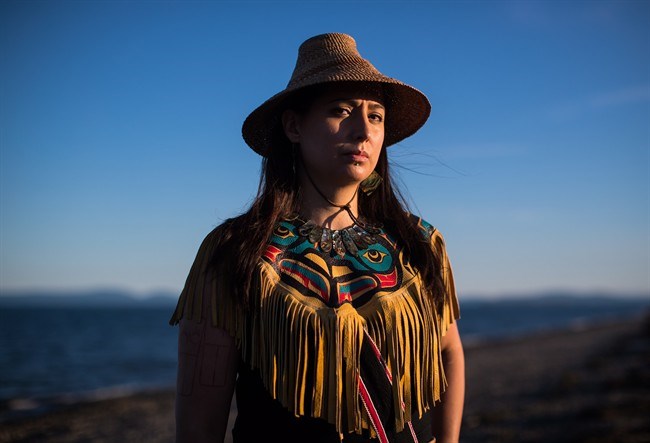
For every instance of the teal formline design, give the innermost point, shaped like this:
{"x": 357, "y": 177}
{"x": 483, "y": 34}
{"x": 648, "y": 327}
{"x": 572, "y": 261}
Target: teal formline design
{"x": 357, "y": 286}
{"x": 426, "y": 228}
{"x": 384, "y": 265}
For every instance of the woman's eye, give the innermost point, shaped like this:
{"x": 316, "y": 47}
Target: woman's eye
{"x": 377, "y": 117}
{"x": 342, "y": 111}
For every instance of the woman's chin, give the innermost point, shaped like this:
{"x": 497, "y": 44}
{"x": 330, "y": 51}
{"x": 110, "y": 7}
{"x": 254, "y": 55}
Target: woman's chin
{"x": 345, "y": 176}
{"x": 357, "y": 174}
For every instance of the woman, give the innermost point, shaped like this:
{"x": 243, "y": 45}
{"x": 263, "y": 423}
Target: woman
{"x": 329, "y": 307}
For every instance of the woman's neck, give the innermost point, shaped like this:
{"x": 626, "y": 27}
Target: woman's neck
{"x": 315, "y": 206}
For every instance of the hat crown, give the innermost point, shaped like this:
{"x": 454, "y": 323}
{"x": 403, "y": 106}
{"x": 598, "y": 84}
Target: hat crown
{"x": 333, "y": 56}
{"x": 334, "y": 43}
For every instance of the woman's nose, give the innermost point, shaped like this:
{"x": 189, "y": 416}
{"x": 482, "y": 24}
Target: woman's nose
{"x": 361, "y": 126}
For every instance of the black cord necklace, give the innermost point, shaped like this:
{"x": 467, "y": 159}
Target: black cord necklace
{"x": 351, "y": 239}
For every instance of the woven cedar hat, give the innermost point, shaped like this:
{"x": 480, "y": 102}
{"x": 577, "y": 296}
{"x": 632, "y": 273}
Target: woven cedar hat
{"x": 330, "y": 58}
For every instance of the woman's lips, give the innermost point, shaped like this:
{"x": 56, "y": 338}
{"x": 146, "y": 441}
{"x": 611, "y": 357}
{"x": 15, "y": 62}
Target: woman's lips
{"x": 357, "y": 156}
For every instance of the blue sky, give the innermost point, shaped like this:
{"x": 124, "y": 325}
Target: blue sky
{"x": 120, "y": 133}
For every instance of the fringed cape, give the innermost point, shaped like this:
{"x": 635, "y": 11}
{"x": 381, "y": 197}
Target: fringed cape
{"x": 305, "y": 331}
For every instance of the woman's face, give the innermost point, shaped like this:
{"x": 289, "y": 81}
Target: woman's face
{"x": 340, "y": 136}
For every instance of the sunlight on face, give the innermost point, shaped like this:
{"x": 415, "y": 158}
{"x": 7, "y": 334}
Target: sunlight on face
{"x": 340, "y": 135}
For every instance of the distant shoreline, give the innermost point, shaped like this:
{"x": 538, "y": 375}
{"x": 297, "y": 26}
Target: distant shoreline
{"x": 125, "y": 298}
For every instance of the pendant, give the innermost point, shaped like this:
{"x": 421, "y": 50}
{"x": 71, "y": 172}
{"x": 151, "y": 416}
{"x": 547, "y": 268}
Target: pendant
{"x": 337, "y": 242}
{"x": 311, "y": 230}
{"x": 349, "y": 242}
{"x": 326, "y": 240}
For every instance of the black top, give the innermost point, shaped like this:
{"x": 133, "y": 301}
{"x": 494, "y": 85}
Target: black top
{"x": 261, "y": 418}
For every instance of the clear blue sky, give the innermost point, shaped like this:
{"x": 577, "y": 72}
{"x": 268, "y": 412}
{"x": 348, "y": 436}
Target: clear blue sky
{"x": 120, "y": 133}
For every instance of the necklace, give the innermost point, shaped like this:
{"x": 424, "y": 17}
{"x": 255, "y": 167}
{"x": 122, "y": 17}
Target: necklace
{"x": 358, "y": 236}
{"x": 350, "y": 239}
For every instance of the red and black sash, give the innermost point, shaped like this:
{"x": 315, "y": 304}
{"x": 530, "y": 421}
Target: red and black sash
{"x": 376, "y": 392}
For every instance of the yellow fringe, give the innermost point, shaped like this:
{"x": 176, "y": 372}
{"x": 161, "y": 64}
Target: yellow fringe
{"x": 295, "y": 331}
{"x": 451, "y": 311}
{"x": 289, "y": 333}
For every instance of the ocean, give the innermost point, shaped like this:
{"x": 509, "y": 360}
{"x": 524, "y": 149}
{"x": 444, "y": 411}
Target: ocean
{"x": 47, "y": 352}
{"x": 91, "y": 352}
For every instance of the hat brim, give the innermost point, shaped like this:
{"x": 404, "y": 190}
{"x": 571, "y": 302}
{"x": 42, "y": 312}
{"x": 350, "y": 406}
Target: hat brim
{"x": 407, "y": 109}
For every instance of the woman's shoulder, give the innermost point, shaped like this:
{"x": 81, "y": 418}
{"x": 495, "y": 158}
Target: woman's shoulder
{"x": 214, "y": 240}
{"x": 429, "y": 232}
{"x": 425, "y": 228}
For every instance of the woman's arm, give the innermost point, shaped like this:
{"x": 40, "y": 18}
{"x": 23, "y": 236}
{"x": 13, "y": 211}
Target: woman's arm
{"x": 207, "y": 372}
{"x": 447, "y": 416}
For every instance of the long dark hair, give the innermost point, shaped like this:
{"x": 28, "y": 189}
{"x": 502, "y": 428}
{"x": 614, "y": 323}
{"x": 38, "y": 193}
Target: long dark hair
{"x": 245, "y": 236}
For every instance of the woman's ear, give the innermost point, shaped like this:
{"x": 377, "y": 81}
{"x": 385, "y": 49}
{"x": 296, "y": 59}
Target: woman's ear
{"x": 291, "y": 125}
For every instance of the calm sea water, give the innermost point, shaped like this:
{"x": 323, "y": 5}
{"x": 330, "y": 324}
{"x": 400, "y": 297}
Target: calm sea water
{"x": 53, "y": 352}
{"x": 56, "y": 351}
